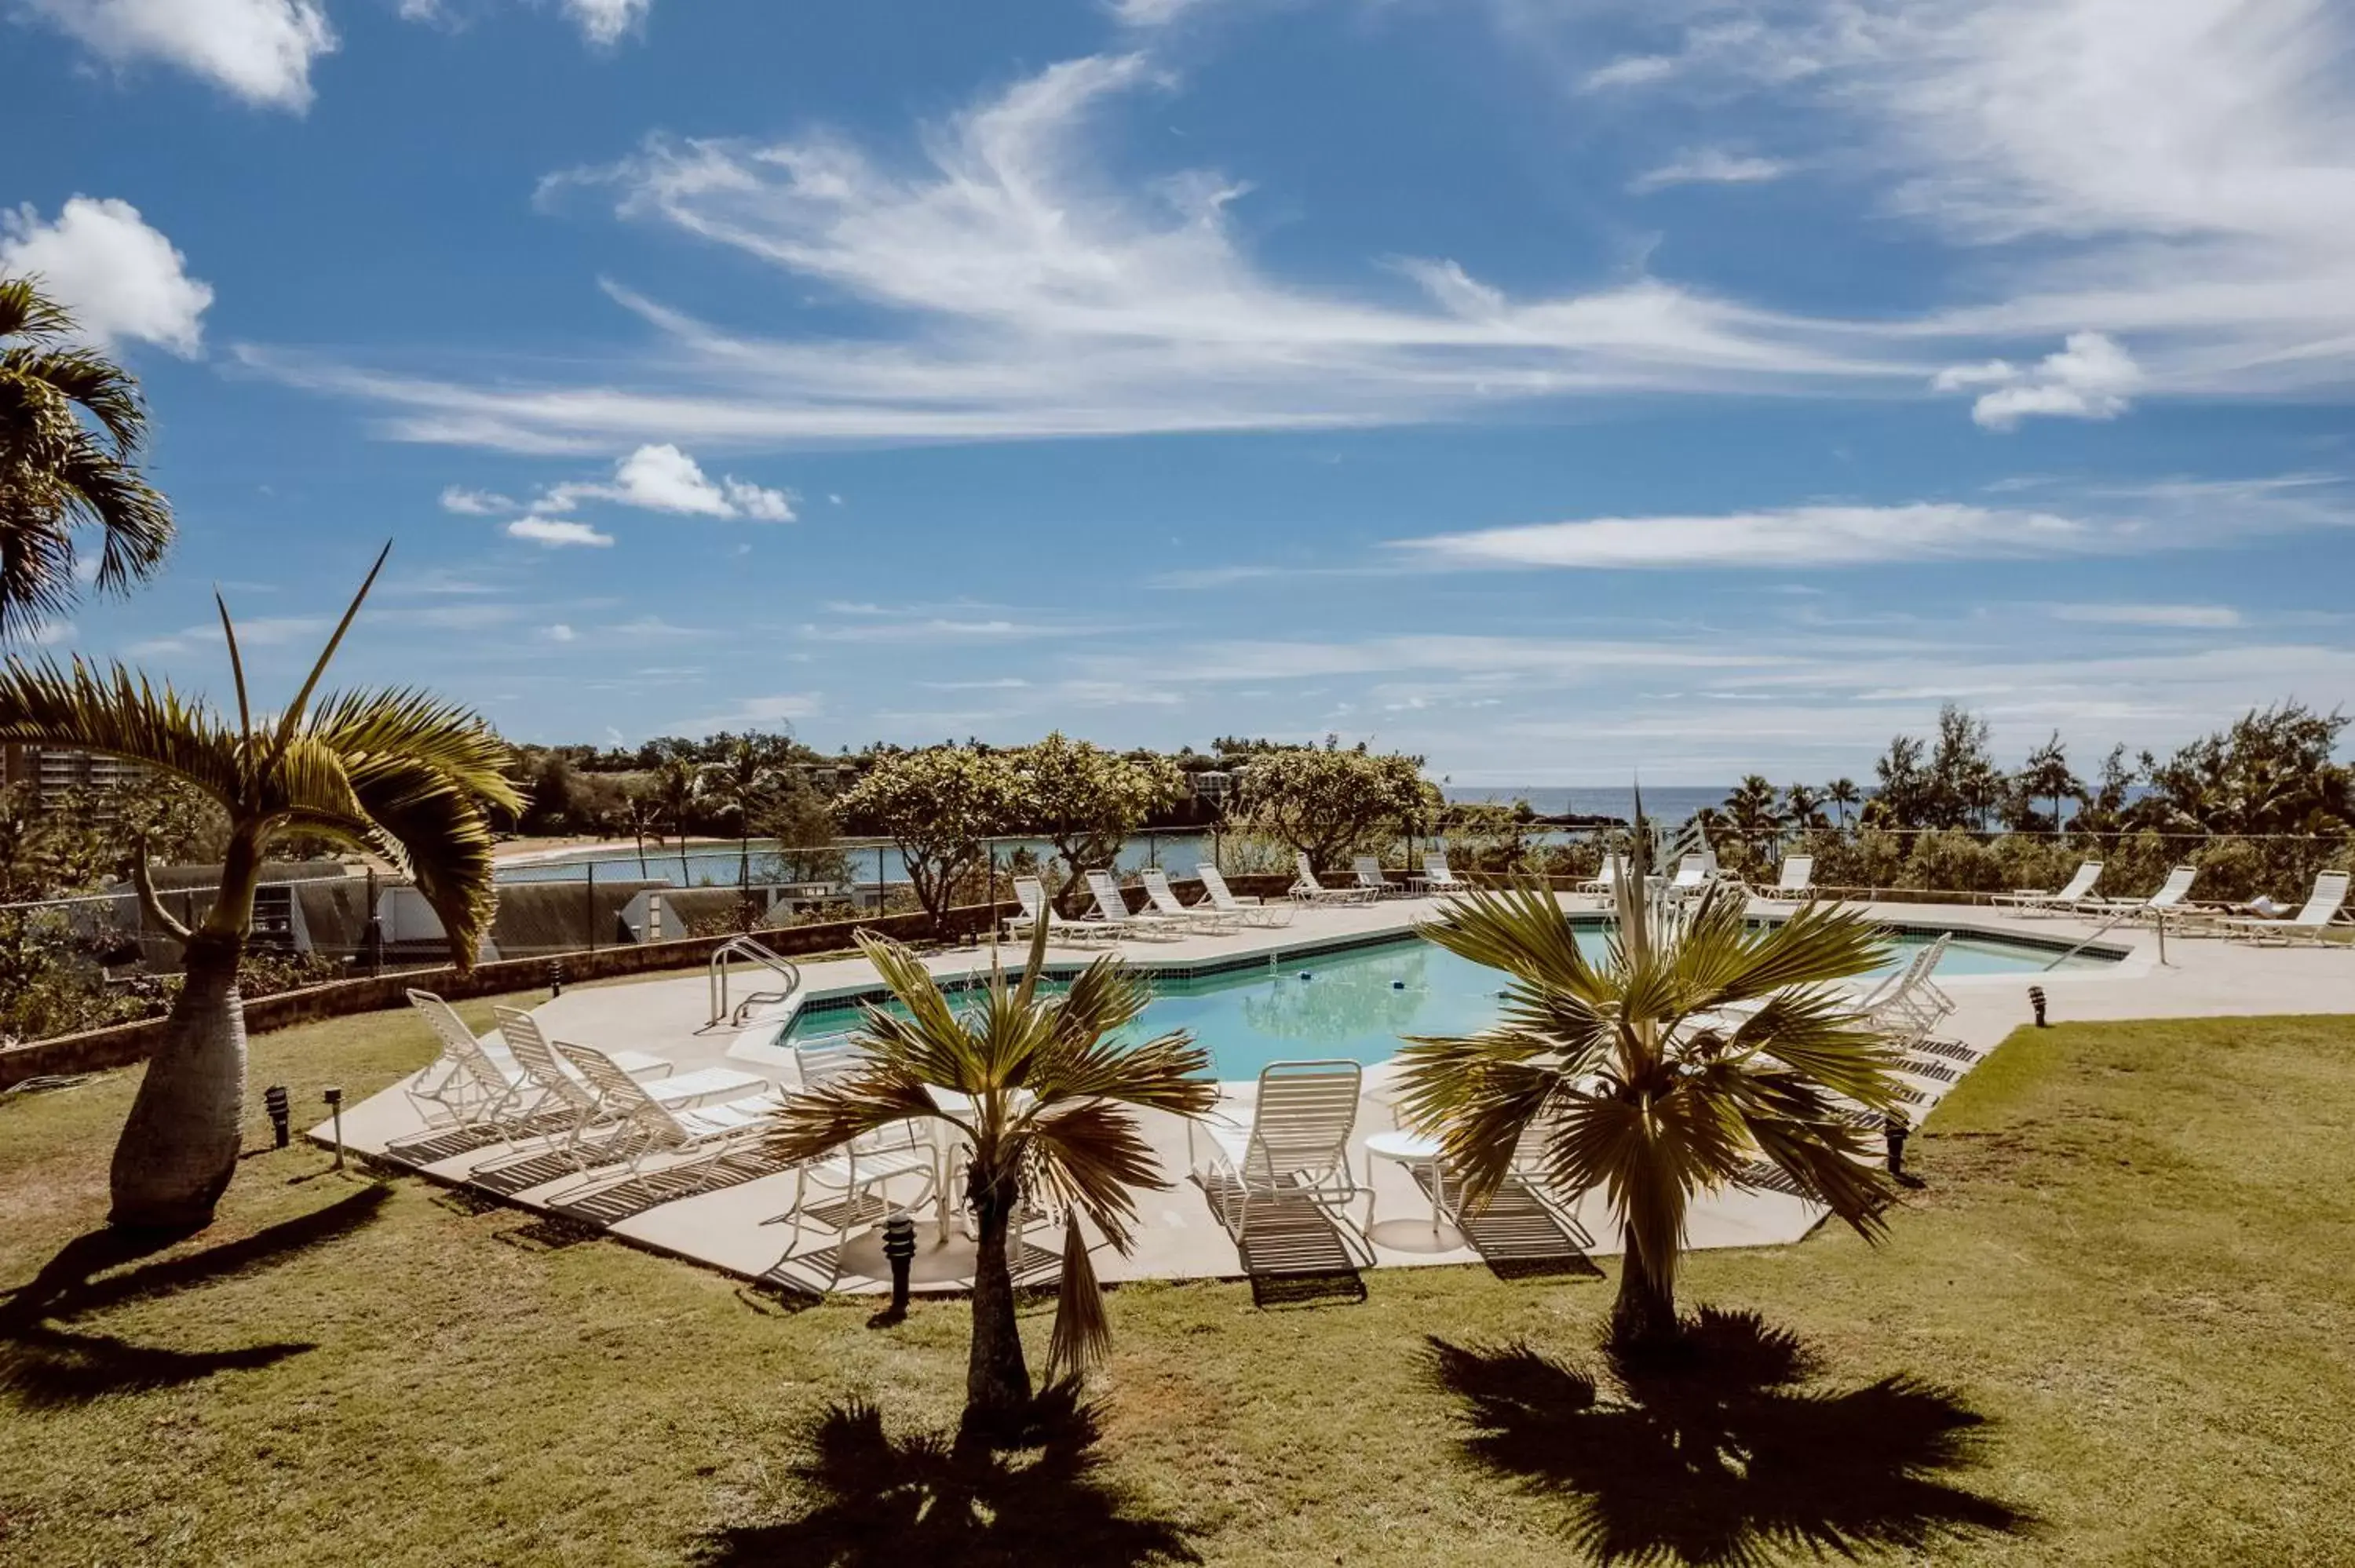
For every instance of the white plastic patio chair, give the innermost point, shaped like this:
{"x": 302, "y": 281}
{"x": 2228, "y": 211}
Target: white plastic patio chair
{"x": 1112, "y": 913}
{"x": 1796, "y": 882}
{"x": 472, "y": 1083}
{"x": 1307, "y": 889}
{"x": 1296, "y": 1145}
{"x": 1605, "y": 882}
{"x": 1204, "y": 917}
{"x": 1223, "y": 899}
{"x": 2168, "y": 899}
{"x": 1438, "y": 877}
{"x": 2078, "y": 892}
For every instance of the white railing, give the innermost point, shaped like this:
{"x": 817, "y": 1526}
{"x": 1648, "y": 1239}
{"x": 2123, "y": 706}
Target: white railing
{"x": 747, "y": 949}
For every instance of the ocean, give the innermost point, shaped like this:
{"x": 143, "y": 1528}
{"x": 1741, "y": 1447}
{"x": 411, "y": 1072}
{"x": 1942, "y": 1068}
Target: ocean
{"x": 1666, "y": 802}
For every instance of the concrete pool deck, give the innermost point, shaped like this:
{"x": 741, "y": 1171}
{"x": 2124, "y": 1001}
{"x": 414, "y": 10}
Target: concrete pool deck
{"x": 734, "y": 1227}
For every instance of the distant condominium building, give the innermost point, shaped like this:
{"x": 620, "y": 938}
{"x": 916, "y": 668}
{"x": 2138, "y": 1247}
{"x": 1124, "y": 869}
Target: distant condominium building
{"x": 56, "y": 771}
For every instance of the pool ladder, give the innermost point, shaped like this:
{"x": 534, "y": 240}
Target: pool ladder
{"x": 747, "y": 949}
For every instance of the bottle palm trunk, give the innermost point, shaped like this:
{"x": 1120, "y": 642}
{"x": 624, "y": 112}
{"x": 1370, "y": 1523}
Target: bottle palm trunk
{"x": 1645, "y": 1310}
{"x": 998, "y": 1378}
{"x": 178, "y": 1149}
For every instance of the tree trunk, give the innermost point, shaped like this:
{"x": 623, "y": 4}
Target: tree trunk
{"x": 997, "y": 1379}
{"x": 1645, "y": 1311}
{"x": 178, "y": 1149}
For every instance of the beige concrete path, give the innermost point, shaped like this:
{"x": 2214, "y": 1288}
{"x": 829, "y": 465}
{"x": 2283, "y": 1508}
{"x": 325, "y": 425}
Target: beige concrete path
{"x": 735, "y": 1228}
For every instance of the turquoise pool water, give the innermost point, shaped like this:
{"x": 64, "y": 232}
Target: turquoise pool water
{"x": 1357, "y": 1003}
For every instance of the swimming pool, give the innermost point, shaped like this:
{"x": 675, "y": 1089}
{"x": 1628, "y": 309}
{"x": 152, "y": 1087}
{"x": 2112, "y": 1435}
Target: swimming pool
{"x": 1357, "y": 1003}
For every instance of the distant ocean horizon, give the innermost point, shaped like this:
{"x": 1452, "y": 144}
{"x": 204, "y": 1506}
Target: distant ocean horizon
{"x": 1669, "y": 802}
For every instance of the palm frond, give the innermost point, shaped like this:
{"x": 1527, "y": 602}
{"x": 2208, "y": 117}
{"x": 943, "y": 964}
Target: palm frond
{"x": 435, "y": 828}
{"x": 816, "y": 1121}
{"x": 1091, "y": 1153}
{"x": 406, "y": 723}
{"x": 1165, "y": 1072}
{"x": 88, "y": 379}
{"x": 1520, "y": 930}
{"x": 114, "y": 710}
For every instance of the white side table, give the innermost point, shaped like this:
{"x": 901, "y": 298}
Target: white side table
{"x": 1411, "y": 1150}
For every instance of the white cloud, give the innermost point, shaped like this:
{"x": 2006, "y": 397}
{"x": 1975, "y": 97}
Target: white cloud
{"x": 603, "y": 22}
{"x": 661, "y": 478}
{"x": 2087, "y": 380}
{"x": 1148, "y": 14}
{"x": 121, "y": 278}
{"x": 555, "y": 532}
{"x": 1632, "y": 71}
{"x": 1023, "y": 291}
{"x": 475, "y": 503}
{"x": 559, "y": 632}
{"x": 260, "y": 51}
{"x": 1789, "y": 536}
{"x": 2192, "y": 617}
{"x": 1711, "y": 165}
{"x": 253, "y": 631}
{"x": 784, "y": 707}
{"x": 50, "y": 634}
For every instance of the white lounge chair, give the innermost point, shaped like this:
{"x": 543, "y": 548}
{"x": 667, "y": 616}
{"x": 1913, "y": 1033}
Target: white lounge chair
{"x": 1796, "y": 882}
{"x": 561, "y": 1085}
{"x": 470, "y": 1083}
{"x": 1204, "y": 917}
{"x": 2168, "y": 899}
{"x": 653, "y": 1128}
{"x": 2322, "y": 910}
{"x": 1604, "y": 883}
{"x": 1031, "y": 894}
{"x": 1438, "y": 877}
{"x": 1307, "y": 889}
{"x": 1222, "y": 898}
{"x": 1694, "y": 873}
{"x": 1908, "y": 1005}
{"x": 2068, "y": 900}
{"x": 1296, "y": 1145}
{"x": 1112, "y": 913}
{"x": 1369, "y": 873}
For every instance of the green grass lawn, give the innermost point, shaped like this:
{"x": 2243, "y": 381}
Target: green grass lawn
{"x": 2121, "y": 1311}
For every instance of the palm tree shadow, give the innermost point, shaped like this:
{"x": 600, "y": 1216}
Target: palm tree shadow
{"x": 1719, "y": 1454}
{"x": 44, "y": 1365}
{"x": 954, "y": 1502}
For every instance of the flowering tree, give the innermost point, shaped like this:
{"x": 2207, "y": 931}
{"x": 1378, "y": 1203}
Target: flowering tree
{"x": 1086, "y": 802}
{"x": 938, "y": 805}
{"x": 1322, "y": 801}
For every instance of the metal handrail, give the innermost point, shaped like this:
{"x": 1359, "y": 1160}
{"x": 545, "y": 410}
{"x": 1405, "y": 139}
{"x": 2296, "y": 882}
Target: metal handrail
{"x": 717, "y": 978}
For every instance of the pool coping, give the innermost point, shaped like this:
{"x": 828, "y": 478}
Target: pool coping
{"x": 847, "y": 999}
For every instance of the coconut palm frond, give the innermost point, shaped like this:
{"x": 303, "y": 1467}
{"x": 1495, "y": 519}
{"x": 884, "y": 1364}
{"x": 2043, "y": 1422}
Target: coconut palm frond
{"x": 83, "y": 376}
{"x": 116, "y": 710}
{"x": 26, "y": 312}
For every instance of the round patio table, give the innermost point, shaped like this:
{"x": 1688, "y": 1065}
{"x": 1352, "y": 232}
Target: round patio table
{"x": 1411, "y": 1150}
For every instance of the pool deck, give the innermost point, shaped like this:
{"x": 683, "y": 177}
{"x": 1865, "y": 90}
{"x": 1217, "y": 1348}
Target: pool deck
{"x": 735, "y": 1228}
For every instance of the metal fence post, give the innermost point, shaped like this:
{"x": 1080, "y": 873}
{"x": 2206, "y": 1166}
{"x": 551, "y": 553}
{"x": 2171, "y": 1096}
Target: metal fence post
{"x": 879, "y": 898}
{"x": 591, "y": 884}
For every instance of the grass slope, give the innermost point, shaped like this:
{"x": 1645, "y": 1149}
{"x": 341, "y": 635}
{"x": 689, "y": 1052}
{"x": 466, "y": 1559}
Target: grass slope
{"x": 2131, "y": 1261}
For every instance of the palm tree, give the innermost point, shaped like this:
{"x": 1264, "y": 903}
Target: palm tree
{"x": 1803, "y": 808}
{"x": 1843, "y": 796}
{"x": 1751, "y": 814}
{"x": 1044, "y": 1089}
{"x": 678, "y": 785}
{"x": 741, "y": 784}
{"x": 58, "y": 475}
{"x": 398, "y": 772}
{"x": 1697, "y": 1045}
{"x": 642, "y": 814}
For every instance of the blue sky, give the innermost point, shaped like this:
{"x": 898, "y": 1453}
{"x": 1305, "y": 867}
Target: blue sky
{"x": 1556, "y": 389}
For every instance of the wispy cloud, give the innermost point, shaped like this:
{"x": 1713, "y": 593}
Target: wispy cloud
{"x": 2187, "y": 616}
{"x": 557, "y": 532}
{"x": 259, "y": 631}
{"x": 1711, "y": 165}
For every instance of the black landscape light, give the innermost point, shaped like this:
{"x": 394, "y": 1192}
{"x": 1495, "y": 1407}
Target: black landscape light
{"x": 900, "y": 1248}
{"x": 334, "y": 1098}
{"x": 555, "y": 977}
{"x": 282, "y": 1114}
{"x": 2036, "y": 1001}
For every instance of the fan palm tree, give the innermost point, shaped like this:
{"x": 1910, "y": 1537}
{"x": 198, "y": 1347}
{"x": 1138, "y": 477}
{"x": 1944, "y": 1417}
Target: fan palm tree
{"x": 398, "y": 772}
{"x": 1697, "y": 1045}
{"x": 57, "y": 474}
{"x": 1045, "y": 1093}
